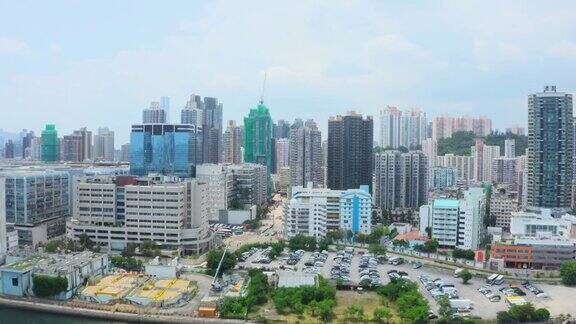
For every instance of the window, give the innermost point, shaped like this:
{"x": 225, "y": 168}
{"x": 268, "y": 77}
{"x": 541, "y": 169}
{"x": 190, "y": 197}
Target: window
{"x": 15, "y": 281}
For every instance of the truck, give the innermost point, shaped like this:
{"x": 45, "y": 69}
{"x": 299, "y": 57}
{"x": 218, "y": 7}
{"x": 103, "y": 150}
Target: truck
{"x": 461, "y": 304}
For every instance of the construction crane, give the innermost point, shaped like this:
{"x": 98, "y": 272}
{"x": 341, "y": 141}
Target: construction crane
{"x": 215, "y": 285}
{"x": 263, "y": 88}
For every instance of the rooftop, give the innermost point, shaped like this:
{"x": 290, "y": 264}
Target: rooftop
{"x": 446, "y": 203}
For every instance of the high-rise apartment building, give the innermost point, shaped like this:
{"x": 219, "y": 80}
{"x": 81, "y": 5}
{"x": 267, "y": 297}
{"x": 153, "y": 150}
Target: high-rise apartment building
{"x": 510, "y": 148}
{"x": 86, "y": 143}
{"x": 232, "y": 142}
{"x": 258, "y": 137}
{"x": 430, "y": 149}
{"x": 27, "y": 143}
{"x": 462, "y": 163}
{"x": 169, "y": 149}
{"x": 125, "y": 152}
{"x": 550, "y": 149}
{"x": 412, "y": 128}
{"x": 504, "y": 171}
{"x": 305, "y": 160}
{"x": 281, "y": 154}
{"x": 484, "y": 156}
{"x": 251, "y": 184}
{"x": 445, "y": 126}
{"x": 50, "y": 149}
{"x": 154, "y": 114}
{"x": 165, "y": 105}
{"x": 390, "y": 127}
{"x": 442, "y": 177}
{"x": 36, "y": 149}
{"x": 72, "y": 148}
{"x": 400, "y": 180}
{"x": 281, "y": 129}
{"x": 104, "y": 145}
{"x": 350, "y": 160}
{"x": 9, "y": 149}
{"x": 220, "y": 188}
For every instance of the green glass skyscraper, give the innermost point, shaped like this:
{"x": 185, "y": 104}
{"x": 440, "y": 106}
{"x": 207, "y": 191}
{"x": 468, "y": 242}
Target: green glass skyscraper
{"x": 550, "y": 149}
{"x": 258, "y": 137}
{"x": 50, "y": 151}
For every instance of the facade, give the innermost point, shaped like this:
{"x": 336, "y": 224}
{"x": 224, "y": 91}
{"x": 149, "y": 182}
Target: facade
{"x": 305, "y": 156}
{"x": 281, "y": 129}
{"x": 127, "y": 209}
{"x": 72, "y": 148}
{"x": 463, "y": 164}
{"x": 50, "y": 149}
{"x": 36, "y": 149}
{"x": 400, "y": 180}
{"x": 430, "y": 149}
{"x": 104, "y": 145}
{"x": 220, "y": 187}
{"x": 9, "y": 148}
{"x": 306, "y": 216}
{"x": 36, "y": 203}
{"x": 192, "y": 114}
{"x": 390, "y": 127}
{"x": 331, "y": 197}
{"x": 483, "y": 156}
{"x": 281, "y": 154}
{"x": 350, "y": 161}
{"x": 232, "y": 142}
{"x": 212, "y": 130}
{"x": 125, "y": 153}
{"x": 504, "y": 171}
{"x": 154, "y": 114}
{"x": 510, "y": 148}
{"x": 85, "y": 143}
{"x": 169, "y": 149}
{"x": 412, "y": 128}
{"x": 550, "y": 149}
{"x": 456, "y": 223}
{"x": 502, "y": 205}
{"x": 258, "y": 137}
{"x": 442, "y": 177}
{"x": 445, "y": 126}
{"x": 356, "y": 210}
{"x": 250, "y": 184}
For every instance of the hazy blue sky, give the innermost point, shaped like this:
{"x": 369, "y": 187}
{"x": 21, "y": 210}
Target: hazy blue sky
{"x": 99, "y": 63}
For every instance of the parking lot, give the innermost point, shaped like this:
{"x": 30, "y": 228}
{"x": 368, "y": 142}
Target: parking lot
{"x": 557, "y": 302}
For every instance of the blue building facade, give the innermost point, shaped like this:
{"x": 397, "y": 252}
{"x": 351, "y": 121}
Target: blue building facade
{"x": 356, "y": 210}
{"x": 169, "y": 149}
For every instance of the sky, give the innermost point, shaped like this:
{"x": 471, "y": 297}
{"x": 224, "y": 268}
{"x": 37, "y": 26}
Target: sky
{"x": 99, "y": 63}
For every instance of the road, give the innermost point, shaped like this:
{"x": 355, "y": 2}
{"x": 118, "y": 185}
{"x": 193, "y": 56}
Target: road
{"x": 272, "y": 224}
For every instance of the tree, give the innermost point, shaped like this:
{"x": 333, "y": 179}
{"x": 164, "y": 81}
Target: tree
{"x": 48, "y": 286}
{"x": 336, "y": 235}
{"x": 302, "y": 242}
{"x": 324, "y": 243}
{"x": 377, "y": 249}
{"x": 428, "y": 231}
{"x": 445, "y": 311}
{"x": 465, "y": 275}
{"x": 355, "y": 313}
{"x": 382, "y": 314}
{"x": 568, "y": 273}
{"x": 85, "y": 241}
{"x": 525, "y": 313}
{"x": 213, "y": 260}
{"x": 401, "y": 243}
{"x": 129, "y": 250}
{"x": 464, "y": 254}
{"x": 362, "y": 238}
{"x": 148, "y": 248}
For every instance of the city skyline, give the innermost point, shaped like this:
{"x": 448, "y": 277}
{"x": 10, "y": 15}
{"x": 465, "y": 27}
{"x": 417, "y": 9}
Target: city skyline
{"x": 66, "y": 80}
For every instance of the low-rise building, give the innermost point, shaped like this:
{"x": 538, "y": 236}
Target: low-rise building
{"x": 17, "y": 277}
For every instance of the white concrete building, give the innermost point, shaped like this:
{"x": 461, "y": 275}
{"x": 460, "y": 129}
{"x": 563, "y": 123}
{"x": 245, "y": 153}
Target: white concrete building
{"x": 306, "y": 216}
{"x": 115, "y": 211}
{"x": 442, "y": 177}
{"x": 510, "y": 148}
{"x": 220, "y": 183}
{"x": 463, "y": 164}
{"x": 430, "y": 149}
{"x": 281, "y": 154}
{"x": 356, "y": 210}
{"x": 502, "y": 205}
{"x": 483, "y": 156}
{"x": 332, "y": 198}
{"x": 456, "y": 223}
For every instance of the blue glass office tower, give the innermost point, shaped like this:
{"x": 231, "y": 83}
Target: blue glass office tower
{"x": 169, "y": 149}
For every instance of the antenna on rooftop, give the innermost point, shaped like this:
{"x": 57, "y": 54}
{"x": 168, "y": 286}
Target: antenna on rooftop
{"x": 263, "y": 88}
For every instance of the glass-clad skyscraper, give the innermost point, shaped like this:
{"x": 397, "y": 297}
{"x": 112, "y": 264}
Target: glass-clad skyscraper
{"x": 550, "y": 149}
{"x": 169, "y": 149}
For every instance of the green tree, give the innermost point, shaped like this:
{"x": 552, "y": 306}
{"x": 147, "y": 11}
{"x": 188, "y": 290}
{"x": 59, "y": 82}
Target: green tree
{"x": 465, "y": 275}
{"x": 377, "y": 249}
{"x": 382, "y": 314}
{"x": 85, "y": 241}
{"x": 463, "y": 254}
{"x": 568, "y": 273}
{"x": 324, "y": 243}
{"x": 48, "y": 286}
{"x": 302, "y": 242}
{"x": 401, "y": 243}
{"x": 213, "y": 259}
{"x": 129, "y": 250}
{"x": 355, "y": 313}
{"x": 325, "y": 309}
